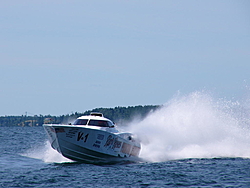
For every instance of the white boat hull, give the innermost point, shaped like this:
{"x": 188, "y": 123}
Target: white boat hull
{"x": 79, "y": 143}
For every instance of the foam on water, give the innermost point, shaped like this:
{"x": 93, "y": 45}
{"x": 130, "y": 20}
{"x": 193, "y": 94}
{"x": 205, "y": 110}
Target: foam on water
{"x": 195, "y": 126}
{"x": 47, "y": 154}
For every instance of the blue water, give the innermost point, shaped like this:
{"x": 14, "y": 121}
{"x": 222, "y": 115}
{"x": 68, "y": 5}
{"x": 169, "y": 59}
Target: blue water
{"x": 19, "y": 169}
{"x": 193, "y": 141}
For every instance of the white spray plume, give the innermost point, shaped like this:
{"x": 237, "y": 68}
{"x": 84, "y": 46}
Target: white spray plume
{"x": 194, "y": 126}
{"x": 47, "y": 154}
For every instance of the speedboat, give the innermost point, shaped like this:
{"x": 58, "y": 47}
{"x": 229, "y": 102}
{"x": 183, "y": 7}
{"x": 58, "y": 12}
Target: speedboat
{"x": 93, "y": 139}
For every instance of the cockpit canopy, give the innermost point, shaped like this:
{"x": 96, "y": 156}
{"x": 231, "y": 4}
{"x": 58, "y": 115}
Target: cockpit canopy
{"x": 93, "y": 122}
{"x": 94, "y": 119}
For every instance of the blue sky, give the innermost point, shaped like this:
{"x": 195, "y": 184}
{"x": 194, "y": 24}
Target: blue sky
{"x": 58, "y": 57}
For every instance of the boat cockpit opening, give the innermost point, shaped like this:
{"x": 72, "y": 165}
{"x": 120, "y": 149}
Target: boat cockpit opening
{"x": 91, "y": 122}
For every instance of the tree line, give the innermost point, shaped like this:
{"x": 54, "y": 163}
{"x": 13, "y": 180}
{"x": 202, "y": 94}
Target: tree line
{"x": 118, "y": 114}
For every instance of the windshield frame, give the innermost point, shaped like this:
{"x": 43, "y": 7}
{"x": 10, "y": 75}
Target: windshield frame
{"x": 94, "y": 122}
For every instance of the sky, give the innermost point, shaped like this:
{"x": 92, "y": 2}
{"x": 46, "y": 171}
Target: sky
{"x": 64, "y": 56}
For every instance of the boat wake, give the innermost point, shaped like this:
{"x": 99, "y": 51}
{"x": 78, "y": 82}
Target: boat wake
{"x": 46, "y": 154}
{"x": 195, "y": 126}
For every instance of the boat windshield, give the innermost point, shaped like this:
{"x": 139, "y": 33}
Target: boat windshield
{"x": 99, "y": 123}
{"x": 81, "y": 122}
{"x": 92, "y": 122}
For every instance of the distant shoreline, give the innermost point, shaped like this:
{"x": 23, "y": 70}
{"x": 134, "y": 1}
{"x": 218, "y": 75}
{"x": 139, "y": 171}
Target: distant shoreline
{"x": 117, "y": 114}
